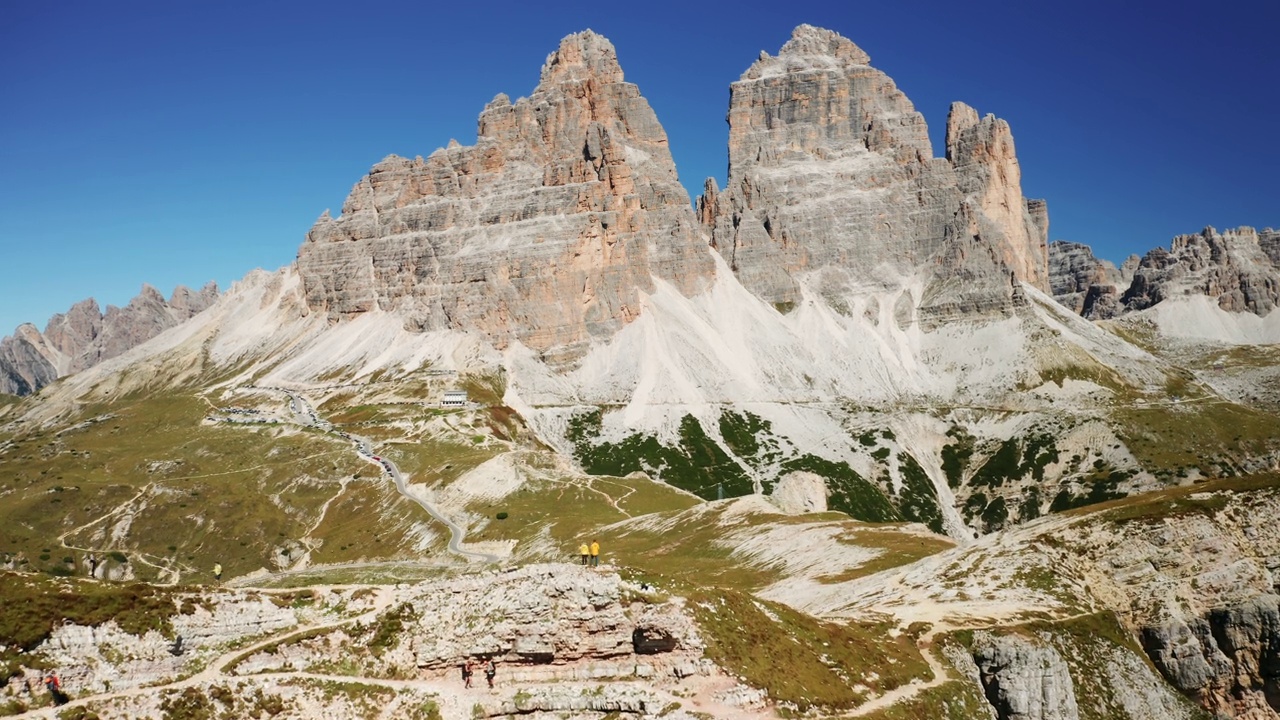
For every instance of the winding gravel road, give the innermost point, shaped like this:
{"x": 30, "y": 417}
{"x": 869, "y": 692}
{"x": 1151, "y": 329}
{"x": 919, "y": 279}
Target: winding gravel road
{"x": 305, "y": 414}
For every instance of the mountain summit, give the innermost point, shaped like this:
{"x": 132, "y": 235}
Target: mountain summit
{"x": 546, "y": 231}
{"x": 831, "y": 169}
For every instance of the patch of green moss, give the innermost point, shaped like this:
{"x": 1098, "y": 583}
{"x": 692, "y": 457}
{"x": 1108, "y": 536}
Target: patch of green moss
{"x": 1030, "y": 508}
{"x": 1017, "y": 459}
{"x": 952, "y": 700}
{"x": 918, "y": 500}
{"x": 750, "y": 437}
{"x": 847, "y": 491}
{"x": 955, "y": 456}
{"x": 1202, "y": 498}
{"x": 974, "y": 506}
{"x": 800, "y": 660}
{"x": 390, "y": 624}
{"x": 995, "y": 515}
{"x": 697, "y": 465}
{"x": 1103, "y": 485}
{"x": 1204, "y": 435}
{"x": 33, "y": 606}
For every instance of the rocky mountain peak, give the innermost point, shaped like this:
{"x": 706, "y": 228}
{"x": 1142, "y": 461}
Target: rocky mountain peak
{"x": 811, "y": 42}
{"x": 546, "y": 231}
{"x": 987, "y": 172}
{"x": 960, "y": 120}
{"x": 830, "y": 166}
{"x": 822, "y": 93}
{"x": 1086, "y": 284}
{"x": 1237, "y": 267}
{"x": 580, "y": 56}
{"x": 149, "y": 293}
{"x": 85, "y": 336}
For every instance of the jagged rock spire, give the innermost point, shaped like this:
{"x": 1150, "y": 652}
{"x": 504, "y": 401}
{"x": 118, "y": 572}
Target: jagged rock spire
{"x": 546, "y": 232}
{"x": 830, "y": 166}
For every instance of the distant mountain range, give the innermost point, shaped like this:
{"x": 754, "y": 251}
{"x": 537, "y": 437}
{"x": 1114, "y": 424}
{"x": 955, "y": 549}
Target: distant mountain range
{"x": 85, "y": 336}
{"x": 551, "y": 229}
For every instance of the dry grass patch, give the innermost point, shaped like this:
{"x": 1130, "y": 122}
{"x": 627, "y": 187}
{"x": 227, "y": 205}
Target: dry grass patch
{"x": 799, "y": 660}
{"x": 898, "y": 548}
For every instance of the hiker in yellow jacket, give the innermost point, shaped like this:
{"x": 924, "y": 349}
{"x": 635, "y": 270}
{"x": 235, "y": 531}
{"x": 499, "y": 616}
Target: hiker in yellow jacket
{"x": 585, "y": 552}
{"x": 595, "y": 553}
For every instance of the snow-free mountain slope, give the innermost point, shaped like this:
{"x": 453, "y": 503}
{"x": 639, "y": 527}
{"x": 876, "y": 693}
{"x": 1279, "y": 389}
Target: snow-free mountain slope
{"x": 831, "y": 169}
{"x": 547, "y": 231}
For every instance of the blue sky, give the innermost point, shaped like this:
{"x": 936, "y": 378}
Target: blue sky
{"x": 176, "y": 143}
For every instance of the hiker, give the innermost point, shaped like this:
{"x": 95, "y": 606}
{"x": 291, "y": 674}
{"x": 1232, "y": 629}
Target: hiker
{"x": 595, "y": 553}
{"x": 217, "y": 572}
{"x": 466, "y": 674}
{"x": 54, "y": 686}
{"x": 585, "y": 552}
{"x": 93, "y": 566}
{"x": 490, "y": 669}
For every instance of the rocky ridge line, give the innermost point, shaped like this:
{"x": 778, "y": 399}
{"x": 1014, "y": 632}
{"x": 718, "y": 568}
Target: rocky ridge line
{"x": 1238, "y": 268}
{"x": 85, "y": 336}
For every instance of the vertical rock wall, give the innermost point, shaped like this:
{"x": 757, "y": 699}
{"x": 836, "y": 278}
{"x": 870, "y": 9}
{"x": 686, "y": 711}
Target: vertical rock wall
{"x": 830, "y": 166}
{"x": 547, "y": 231}
{"x": 1229, "y": 659}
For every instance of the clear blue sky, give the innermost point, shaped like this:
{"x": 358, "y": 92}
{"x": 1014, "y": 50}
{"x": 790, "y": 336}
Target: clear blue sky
{"x": 181, "y": 142}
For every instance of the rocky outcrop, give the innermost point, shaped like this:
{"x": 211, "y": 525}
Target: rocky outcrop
{"x": 104, "y": 657}
{"x": 987, "y": 172}
{"x": 800, "y": 492}
{"x": 25, "y": 364}
{"x": 73, "y": 332}
{"x": 85, "y": 336}
{"x": 830, "y": 167}
{"x": 1240, "y": 269}
{"x": 1237, "y": 267}
{"x": 1198, "y": 578}
{"x": 1088, "y": 285}
{"x": 547, "y": 231}
{"x": 1229, "y": 659}
{"x": 1024, "y": 680}
{"x": 541, "y": 622}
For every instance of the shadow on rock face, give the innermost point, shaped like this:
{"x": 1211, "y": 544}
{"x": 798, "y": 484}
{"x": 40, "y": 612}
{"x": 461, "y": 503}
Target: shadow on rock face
{"x": 651, "y": 641}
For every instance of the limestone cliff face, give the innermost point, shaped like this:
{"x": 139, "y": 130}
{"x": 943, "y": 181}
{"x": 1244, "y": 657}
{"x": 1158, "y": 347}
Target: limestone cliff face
{"x": 1229, "y": 659}
{"x": 1024, "y": 680}
{"x": 1088, "y": 285}
{"x": 987, "y": 172}
{"x": 84, "y": 336}
{"x": 546, "y": 231}
{"x": 24, "y": 362}
{"x": 1240, "y": 268}
{"x": 830, "y": 166}
{"x": 1200, "y": 588}
{"x": 76, "y": 330}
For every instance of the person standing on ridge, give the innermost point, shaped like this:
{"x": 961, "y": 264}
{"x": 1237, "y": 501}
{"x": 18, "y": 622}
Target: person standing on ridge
{"x": 490, "y": 669}
{"x": 466, "y": 674}
{"x": 595, "y": 553}
{"x": 217, "y": 572}
{"x": 54, "y": 686}
{"x": 585, "y": 552}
